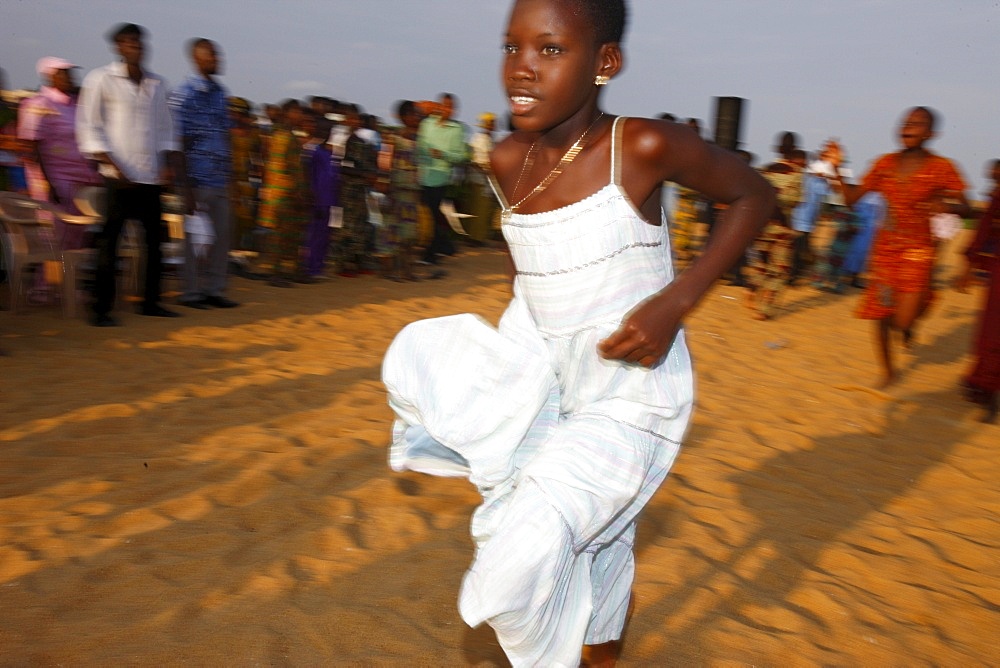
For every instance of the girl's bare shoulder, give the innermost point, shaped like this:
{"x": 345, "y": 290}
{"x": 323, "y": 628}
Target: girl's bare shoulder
{"x": 665, "y": 145}
{"x": 654, "y": 137}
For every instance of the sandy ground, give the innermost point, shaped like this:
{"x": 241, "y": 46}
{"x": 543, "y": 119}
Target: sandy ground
{"x": 214, "y": 491}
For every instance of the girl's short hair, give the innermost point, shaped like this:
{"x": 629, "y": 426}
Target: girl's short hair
{"x": 607, "y": 17}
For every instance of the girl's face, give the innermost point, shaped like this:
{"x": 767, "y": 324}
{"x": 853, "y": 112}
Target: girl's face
{"x": 915, "y": 129}
{"x": 550, "y": 61}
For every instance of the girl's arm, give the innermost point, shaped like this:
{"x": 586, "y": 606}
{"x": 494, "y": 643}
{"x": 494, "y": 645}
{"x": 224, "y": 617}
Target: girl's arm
{"x": 834, "y": 154}
{"x": 657, "y": 151}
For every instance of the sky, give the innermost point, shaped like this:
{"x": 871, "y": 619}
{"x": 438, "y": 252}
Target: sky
{"x": 845, "y": 69}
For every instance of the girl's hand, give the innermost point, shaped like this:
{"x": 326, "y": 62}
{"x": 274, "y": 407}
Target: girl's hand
{"x": 647, "y": 332}
{"x": 943, "y": 201}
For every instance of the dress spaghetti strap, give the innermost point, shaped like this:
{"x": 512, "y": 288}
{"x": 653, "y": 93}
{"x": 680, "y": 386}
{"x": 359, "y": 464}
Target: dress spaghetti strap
{"x": 616, "y": 150}
{"x": 497, "y": 191}
{"x": 616, "y": 159}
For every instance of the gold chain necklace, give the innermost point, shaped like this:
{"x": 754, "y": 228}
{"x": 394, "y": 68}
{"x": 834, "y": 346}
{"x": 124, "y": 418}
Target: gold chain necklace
{"x": 568, "y": 157}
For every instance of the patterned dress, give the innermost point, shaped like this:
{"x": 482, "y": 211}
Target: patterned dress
{"x": 770, "y": 263}
{"x": 405, "y": 188}
{"x": 787, "y": 187}
{"x": 247, "y": 160}
{"x": 903, "y": 254}
{"x": 830, "y": 265}
{"x": 685, "y": 221}
{"x": 769, "y": 260}
{"x": 357, "y": 170}
{"x": 284, "y": 200}
{"x": 565, "y": 446}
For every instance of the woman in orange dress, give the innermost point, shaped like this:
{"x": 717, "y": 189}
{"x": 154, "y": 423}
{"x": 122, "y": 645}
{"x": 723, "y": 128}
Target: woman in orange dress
{"x": 916, "y": 184}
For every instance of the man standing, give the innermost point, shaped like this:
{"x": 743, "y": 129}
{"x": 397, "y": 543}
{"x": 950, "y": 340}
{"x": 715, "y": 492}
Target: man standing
{"x": 47, "y": 123}
{"x": 123, "y": 122}
{"x": 440, "y": 146}
{"x": 203, "y": 124}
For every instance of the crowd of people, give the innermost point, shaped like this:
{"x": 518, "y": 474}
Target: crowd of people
{"x": 302, "y": 190}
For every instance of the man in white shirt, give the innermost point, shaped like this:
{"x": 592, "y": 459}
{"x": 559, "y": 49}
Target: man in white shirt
{"x": 124, "y": 123}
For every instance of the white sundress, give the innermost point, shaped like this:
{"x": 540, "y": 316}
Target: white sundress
{"x": 565, "y": 447}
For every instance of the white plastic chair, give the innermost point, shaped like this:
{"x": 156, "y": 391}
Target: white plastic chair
{"x": 29, "y": 240}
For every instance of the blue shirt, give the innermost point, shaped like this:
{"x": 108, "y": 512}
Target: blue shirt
{"x": 203, "y": 123}
{"x": 815, "y": 190}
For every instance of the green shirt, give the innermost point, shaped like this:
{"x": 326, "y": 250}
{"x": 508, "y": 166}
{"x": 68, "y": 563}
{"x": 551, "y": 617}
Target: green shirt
{"x": 449, "y": 139}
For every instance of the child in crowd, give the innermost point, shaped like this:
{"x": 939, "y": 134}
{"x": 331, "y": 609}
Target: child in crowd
{"x": 770, "y": 266}
{"x": 814, "y": 200}
{"x": 840, "y": 265}
{"x": 770, "y": 258}
{"x": 828, "y": 265}
{"x": 568, "y": 418}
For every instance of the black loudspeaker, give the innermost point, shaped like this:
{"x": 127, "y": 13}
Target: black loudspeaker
{"x": 728, "y": 113}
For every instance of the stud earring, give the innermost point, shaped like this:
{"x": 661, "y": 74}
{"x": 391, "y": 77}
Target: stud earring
{"x": 601, "y": 80}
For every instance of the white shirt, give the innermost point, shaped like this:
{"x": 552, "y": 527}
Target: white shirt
{"x": 482, "y": 145}
{"x": 129, "y": 121}
{"x": 338, "y": 140}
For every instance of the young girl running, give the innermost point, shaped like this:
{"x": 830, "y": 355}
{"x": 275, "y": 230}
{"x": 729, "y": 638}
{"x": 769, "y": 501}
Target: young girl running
{"x": 916, "y": 184}
{"x": 568, "y": 418}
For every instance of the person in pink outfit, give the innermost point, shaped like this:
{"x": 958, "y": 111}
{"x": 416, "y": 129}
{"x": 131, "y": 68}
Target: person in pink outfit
{"x": 47, "y": 124}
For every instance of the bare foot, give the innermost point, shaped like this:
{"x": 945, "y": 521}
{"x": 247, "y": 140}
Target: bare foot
{"x": 757, "y": 315}
{"x": 908, "y": 339}
{"x": 886, "y": 381}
